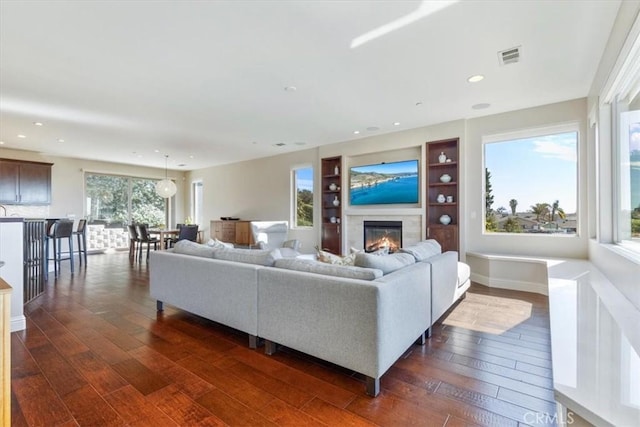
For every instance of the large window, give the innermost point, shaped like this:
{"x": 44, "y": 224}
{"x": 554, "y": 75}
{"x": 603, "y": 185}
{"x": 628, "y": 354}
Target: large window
{"x": 197, "y": 201}
{"x": 303, "y": 197}
{"x": 112, "y": 202}
{"x": 531, "y": 182}
{"x": 629, "y": 178}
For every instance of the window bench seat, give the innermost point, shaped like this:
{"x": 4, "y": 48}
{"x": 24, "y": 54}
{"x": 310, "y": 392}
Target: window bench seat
{"x": 595, "y": 338}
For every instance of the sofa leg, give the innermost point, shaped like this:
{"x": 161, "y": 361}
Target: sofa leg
{"x": 373, "y": 386}
{"x": 269, "y": 347}
{"x": 422, "y": 340}
{"x": 159, "y": 305}
{"x": 253, "y": 341}
{"x": 427, "y": 333}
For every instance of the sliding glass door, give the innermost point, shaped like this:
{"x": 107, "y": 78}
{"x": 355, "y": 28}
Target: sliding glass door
{"x": 114, "y": 201}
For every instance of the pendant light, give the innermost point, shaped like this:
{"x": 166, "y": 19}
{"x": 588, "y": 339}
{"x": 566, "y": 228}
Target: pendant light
{"x": 166, "y": 188}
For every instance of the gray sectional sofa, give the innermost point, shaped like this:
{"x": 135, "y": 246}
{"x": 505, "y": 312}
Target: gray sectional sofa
{"x": 360, "y": 317}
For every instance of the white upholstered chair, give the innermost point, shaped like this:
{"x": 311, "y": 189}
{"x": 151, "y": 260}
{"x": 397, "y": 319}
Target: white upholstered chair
{"x": 272, "y": 235}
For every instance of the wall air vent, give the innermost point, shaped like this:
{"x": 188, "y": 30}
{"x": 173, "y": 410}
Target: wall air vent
{"x": 510, "y": 56}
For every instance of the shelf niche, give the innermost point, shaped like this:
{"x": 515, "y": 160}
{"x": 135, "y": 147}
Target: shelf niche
{"x": 331, "y": 189}
{"x": 446, "y": 235}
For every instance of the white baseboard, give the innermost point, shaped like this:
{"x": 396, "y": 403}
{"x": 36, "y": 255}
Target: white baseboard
{"x": 18, "y": 323}
{"x": 515, "y": 285}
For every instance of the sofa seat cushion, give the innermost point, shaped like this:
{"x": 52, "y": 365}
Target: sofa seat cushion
{"x": 264, "y": 257}
{"x": 421, "y": 251}
{"x": 386, "y": 263}
{"x": 464, "y": 273}
{"x": 187, "y": 247}
{"x": 311, "y": 266}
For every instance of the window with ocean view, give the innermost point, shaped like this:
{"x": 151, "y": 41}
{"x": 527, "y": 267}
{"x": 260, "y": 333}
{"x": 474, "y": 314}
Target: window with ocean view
{"x": 531, "y": 183}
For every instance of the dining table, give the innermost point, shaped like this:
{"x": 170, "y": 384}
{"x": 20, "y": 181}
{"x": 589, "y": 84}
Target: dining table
{"x": 163, "y": 233}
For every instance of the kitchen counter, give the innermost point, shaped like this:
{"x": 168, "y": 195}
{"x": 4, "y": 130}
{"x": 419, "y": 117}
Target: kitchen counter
{"x": 595, "y": 343}
{"x": 11, "y": 219}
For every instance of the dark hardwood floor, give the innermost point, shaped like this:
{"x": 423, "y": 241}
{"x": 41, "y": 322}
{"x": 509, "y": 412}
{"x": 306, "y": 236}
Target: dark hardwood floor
{"x": 95, "y": 352}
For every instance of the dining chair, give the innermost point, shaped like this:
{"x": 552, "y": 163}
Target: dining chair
{"x": 187, "y": 232}
{"x": 133, "y": 240}
{"x": 81, "y": 233}
{"x": 145, "y": 238}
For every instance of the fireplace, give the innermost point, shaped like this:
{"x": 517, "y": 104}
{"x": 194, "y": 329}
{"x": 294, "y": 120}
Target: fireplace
{"x": 381, "y": 234}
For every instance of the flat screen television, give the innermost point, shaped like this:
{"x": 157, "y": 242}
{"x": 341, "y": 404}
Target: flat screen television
{"x": 384, "y": 183}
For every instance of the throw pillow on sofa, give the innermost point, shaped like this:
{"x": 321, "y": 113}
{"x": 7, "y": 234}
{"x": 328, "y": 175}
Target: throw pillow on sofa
{"x": 347, "y": 271}
{"x": 387, "y": 264}
{"x": 329, "y": 258}
{"x": 219, "y": 244}
{"x": 187, "y": 247}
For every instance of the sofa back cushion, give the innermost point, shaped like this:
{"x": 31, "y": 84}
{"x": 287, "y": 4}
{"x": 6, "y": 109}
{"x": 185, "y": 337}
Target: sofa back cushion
{"x": 264, "y": 257}
{"x": 423, "y": 250}
{"x": 187, "y": 247}
{"x": 386, "y": 263}
{"x": 311, "y": 266}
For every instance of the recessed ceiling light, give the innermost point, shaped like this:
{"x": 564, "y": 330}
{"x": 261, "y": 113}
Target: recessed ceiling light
{"x": 481, "y": 106}
{"x": 279, "y": 144}
{"x": 396, "y": 123}
{"x": 182, "y": 165}
{"x": 300, "y": 143}
{"x": 60, "y": 140}
{"x": 21, "y": 136}
{"x": 1, "y": 142}
{"x": 476, "y": 78}
{"x": 291, "y": 88}
{"x": 156, "y": 151}
{"x": 37, "y": 123}
{"x": 356, "y": 132}
{"x": 419, "y": 103}
{"x": 191, "y": 156}
{"x": 373, "y": 128}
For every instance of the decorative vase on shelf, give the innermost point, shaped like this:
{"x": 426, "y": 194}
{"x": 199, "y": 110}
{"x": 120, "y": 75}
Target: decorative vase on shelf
{"x": 333, "y": 186}
{"x": 336, "y": 202}
{"x": 441, "y": 198}
{"x": 445, "y": 178}
{"x": 442, "y": 157}
{"x": 445, "y": 219}
{"x": 336, "y": 170}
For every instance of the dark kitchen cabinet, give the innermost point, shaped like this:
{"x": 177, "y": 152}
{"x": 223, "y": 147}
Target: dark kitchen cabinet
{"x": 25, "y": 183}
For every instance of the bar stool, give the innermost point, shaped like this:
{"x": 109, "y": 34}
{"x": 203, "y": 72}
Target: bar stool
{"x": 62, "y": 229}
{"x": 82, "y": 239}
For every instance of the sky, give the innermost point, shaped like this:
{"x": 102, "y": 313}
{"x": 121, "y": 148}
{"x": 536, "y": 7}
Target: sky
{"x": 410, "y": 166}
{"x": 305, "y": 179}
{"x": 534, "y": 170}
{"x": 634, "y": 140}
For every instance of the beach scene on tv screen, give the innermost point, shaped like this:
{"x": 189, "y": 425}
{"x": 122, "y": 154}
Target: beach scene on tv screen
{"x": 384, "y": 183}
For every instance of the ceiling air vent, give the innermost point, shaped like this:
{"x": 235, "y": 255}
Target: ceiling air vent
{"x": 509, "y": 56}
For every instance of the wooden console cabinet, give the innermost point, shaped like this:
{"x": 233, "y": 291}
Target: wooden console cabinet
{"x": 331, "y": 169}
{"x": 236, "y": 232}
{"x": 25, "y": 183}
{"x": 445, "y": 234}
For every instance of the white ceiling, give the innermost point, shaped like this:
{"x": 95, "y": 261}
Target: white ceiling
{"x": 204, "y": 81}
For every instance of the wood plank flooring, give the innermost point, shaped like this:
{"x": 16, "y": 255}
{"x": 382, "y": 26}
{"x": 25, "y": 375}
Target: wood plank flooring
{"x": 96, "y": 353}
